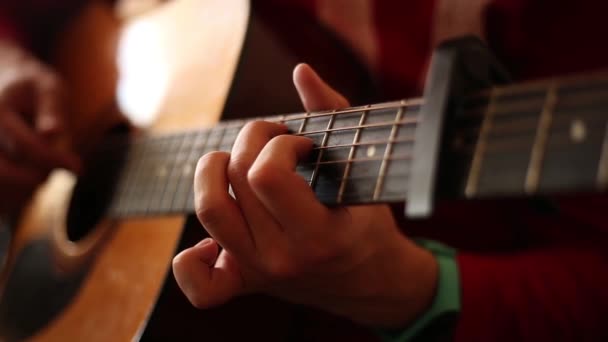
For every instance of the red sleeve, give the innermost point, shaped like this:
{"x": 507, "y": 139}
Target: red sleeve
{"x": 552, "y": 294}
{"x": 558, "y": 292}
{"x": 541, "y": 38}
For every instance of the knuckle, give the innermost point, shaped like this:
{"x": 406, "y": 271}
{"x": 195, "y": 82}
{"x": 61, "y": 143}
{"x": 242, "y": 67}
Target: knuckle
{"x": 282, "y": 139}
{"x": 319, "y": 254}
{"x": 280, "y": 267}
{"x": 208, "y": 159}
{"x": 182, "y": 266}
{"x": 211, "y": 157}
{"x": 262, "y": 176}
{"x": 48, "y": 80}
{"x": 179, "y": 265}
{"x": 209, "y": 211}
{"x": 237, "y": 170}
{"x": 252, "y": 126}
{"x": 198, "y": 300}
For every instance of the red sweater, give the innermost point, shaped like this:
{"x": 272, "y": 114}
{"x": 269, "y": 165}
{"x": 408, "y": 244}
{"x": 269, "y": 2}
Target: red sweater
{"x": 525, "y": 274}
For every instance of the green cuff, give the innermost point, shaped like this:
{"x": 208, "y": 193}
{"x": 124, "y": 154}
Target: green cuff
{"x": 447, "y": 297}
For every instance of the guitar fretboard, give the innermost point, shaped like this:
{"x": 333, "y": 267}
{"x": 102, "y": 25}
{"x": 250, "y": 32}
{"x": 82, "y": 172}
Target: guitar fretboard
{"x": 530, "y": 138}
{"x": 361, "y": 155}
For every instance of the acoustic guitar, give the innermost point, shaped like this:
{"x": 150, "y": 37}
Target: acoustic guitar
{"x": 89, "y": 254}
{"x": 74, "y": 274}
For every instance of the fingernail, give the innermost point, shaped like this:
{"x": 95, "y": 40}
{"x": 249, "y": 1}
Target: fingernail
{"x": 204, "y": 242}
{"x": 47, "y": 123}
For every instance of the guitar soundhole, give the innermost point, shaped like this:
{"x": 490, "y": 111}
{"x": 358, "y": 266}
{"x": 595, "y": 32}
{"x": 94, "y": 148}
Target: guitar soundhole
{"x": 95, "y": 187}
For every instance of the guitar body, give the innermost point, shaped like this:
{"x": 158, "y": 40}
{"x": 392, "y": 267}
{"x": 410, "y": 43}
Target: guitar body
{"x": 199, "y": 59}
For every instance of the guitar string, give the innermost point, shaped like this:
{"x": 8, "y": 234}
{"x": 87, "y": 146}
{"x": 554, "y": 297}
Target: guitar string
{"x": 591, "y": 80}
{"x": 470, "y": 111}
{"x": 283, "y": 118}
{"x": 492, "y": 147}
{"x": 498, "y": 129}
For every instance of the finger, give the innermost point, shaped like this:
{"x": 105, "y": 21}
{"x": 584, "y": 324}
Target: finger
{"x": 17, "y": 183}
{"x": 282, "y": 191}
{"x": 204, "y": 281}
{"x": 18, "y": 93}
{"x": 250, "y": 141}
{"x": 50, "y": 112}
{"x": 31, "y": 147}
{"x": 314, "y": 93}
{"x": 18, "y": 176}
{"x": 217, "y": 211}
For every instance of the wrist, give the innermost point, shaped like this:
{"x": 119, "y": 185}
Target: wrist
{"x": 395, "y": 286}
{"x": 415, "y": 279}
{"x": 438, "y": 321}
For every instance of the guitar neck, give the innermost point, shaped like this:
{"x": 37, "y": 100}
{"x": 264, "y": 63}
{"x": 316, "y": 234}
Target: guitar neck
{"x": 522, "y": 139}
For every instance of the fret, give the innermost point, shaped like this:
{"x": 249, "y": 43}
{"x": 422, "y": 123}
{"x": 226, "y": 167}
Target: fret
{"x": 367, "y": 144}
{"x": 178, "y": 163}
{"x": 118, "y": 200}
{"x": 185, "y": 182}
{"x": 300, "y": 131}
{"x": 294, "y": 125}
{"x": 379, "y": 125}
{"x": 318, "y": 124}
{"x": 350, "y": 120}
{"x": 602, "y": 173}
{"x": 345, "y": 121}
{"x": 314, "y": 123}
{"x": 304, "y": 121}
{"x": 229, "y": 137}
{"x": 395, "y": 180}
{"x": 574, "y": 148}
{"x": 387, "y": 153}
{"x": 133, "y": 181}
{"x": 475, "y": 172}
{"x": 215, "y": 138}
{"x": 507, "y": 153}
{"x": 164, "y": 169}
{"x": 216, "y": 134}
{"x": 138, "y": 181}
{"x": 411, "y": 103}
{"x": 154, "y": 170}
{"x": 538, "y": 148}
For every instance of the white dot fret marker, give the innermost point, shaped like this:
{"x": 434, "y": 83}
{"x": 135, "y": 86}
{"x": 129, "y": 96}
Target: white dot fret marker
{"x": 162, "y": 171}
{"x": 187, "y": 169}
{"x": 578, "y": 131}
{"x": 371, "y": 151}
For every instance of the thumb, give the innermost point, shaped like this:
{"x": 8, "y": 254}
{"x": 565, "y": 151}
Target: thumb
{"x": 314, "y": 93}
{"x": 206, "y": 279}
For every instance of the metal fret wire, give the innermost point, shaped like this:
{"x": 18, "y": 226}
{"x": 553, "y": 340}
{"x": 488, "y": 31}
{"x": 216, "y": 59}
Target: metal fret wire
{"x": 351, "y": 153}
{"x": 177, "y": 172}
{"x": 540, "y": 141}
{"x": 602, "y": 174}
{"x": 387, "y": 154}
{"x": 474, "y": 174}
{"x": 189, "y": 205}
{"x": 315, "y": 173}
